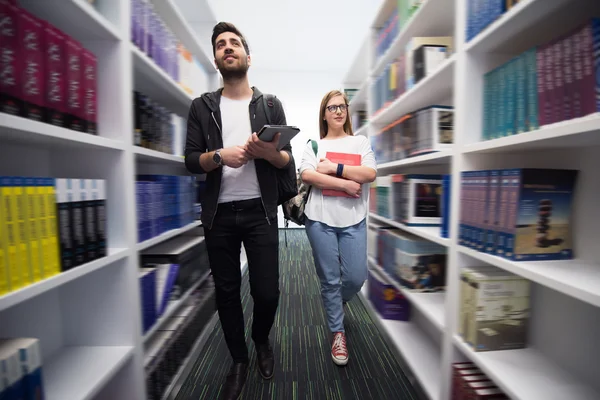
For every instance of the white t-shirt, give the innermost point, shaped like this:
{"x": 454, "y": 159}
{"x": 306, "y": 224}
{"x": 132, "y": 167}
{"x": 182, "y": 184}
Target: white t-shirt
{"x": 338, "y": 212}
{"x": 237, "y": 183}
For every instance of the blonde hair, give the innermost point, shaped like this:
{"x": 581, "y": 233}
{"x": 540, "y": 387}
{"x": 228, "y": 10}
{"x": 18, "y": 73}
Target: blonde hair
{"x": 323, "y": 126}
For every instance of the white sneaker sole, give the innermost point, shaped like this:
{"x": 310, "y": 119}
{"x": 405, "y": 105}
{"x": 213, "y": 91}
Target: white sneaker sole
{"x": 338, "y": 361}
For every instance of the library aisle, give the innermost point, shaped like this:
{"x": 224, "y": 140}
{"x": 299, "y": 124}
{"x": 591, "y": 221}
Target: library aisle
{"x": 304, "y": 369}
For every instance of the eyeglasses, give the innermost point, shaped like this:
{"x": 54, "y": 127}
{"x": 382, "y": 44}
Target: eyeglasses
{"x": 342, "y": 107}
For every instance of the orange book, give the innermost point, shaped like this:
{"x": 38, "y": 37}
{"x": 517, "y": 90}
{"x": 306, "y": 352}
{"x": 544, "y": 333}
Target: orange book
{"x": 341, "y": 158}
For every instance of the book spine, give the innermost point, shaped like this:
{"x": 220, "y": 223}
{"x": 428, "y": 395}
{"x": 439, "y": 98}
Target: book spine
{"x": 55, "y": 76}
{"x": 89, "y": 219}
{"x": 41, "y": 228}
{"x": 33, "y": 222}
{"x": 502, "y": 96}
{"x": 22, "y": 230}
{"x": 485, "y": 210}
{"x": 492, "y": 212}
{"x": 533, "y": 122}
{"x": 52, "y": 225}
{"x": 549, "y": 80}
{"x": 521, "y": 93}
{"x": 90, "y": 101}
{"x": 468, "y": 207}
{"x": 485, "y": 135}
{"x": 541, "y": 84}
{"x": 77, "y": 217}
{"x": 31, "y": 365}
{"x": 596, "y": 62}
{"x": 4, "y": 273}
{"x": 577, "y": 74}
{"x": 100, "y": 211}
{"x": 516, "y": 178}
{"x": 11, "y": 101}
{"x": 12, "y": 253}
{"x": 559, "y": 81}
{"x": 64, "y": 198}
{"x": 502, "y": 211}
{"x": 511, "y": 81}
{"x": 32, "y": 44}
{"x": 587, "y": 83}
{"x": 74, "y": 74}
{"x": 567, "y": 67}
{"x": 461, "y": 206}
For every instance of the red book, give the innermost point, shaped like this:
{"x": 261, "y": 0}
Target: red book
{"x": 341, "y": 158}
{"x": 89, "y": 91}
{"x": 31, "y": 38}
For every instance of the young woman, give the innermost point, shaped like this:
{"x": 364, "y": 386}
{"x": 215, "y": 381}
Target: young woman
{"x": 335, "y": 225}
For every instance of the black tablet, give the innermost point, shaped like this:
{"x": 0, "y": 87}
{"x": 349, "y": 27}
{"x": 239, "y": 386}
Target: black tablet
{"x": 267, "y": 133}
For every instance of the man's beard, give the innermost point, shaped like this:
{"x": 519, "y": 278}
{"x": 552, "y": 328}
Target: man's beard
{"x": 233, "y": 72}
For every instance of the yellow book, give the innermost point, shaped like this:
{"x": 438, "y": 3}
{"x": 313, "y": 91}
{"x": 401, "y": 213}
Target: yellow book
{"x": 4, "y": 286}
{"x": 11, "y": 233}
{"x": 33, "y": 232}
{"x": 44, "y": 240}
{"x": 51, "y": 225}
{"x": 22, "y": 230}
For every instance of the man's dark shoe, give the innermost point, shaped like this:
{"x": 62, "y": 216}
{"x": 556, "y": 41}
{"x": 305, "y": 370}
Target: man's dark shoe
{"x": 234, "y": 384}
{"x": 265, "y": 360}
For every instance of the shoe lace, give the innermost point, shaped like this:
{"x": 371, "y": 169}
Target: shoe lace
{"x": 339, "y": 343}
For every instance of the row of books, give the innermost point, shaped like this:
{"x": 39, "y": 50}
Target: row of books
{"x": 415, "y": 263}
{"x": 494, "y": 309}
{"x": 46, "y": 74}
{"x": 154, "y": 125}
{"x": 423, "y": 131}
{"x": 172, "y": 344}
{"x": 48, "y": 226}
{"x": 21, "y": 369}
{"x": 164, "y": 202}
{"x": 481, "y": 13}
{"x": 153, "y": 37}
{"x": 522, "y": 214}
{"x": 421, "y": 57}
{"x": 401, "y": 13}
{"x": 169, "y": 270}
{"x": 547, "y": 84}
{"x": 413, "y": 200}
{"x": 387, "y": 300}
{"x": 470, "y": 383}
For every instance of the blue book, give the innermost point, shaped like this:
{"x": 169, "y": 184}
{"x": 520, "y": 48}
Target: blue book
{"x": 446, "y": 187}
{"x": 521, "y": 93}
{"x": 147, "y": 277}
{"x": 493, "y": 211}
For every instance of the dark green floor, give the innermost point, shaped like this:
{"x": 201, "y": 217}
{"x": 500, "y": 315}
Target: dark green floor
{"x": 303, "y": 365}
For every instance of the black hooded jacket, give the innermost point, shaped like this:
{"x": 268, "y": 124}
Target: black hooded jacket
{"x": 204, "y": 135}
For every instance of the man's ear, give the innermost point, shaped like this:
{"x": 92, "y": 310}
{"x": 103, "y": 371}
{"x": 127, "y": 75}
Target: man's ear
{"x": 216, "y": 65}
{"x": 249, "y": 60}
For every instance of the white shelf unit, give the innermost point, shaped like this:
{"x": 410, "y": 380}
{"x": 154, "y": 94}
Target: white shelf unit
{"x": 562, "y": 353}
{"x": 88, "y": 319}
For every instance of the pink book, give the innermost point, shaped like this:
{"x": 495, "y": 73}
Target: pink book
{"x": 73, "y": 65}
{"x": 11, "y": 101}
{"x": 55, "y": 76}
{"x": 341, "y": 158}
{"x": 89, "y": 89}
{"x": 31, "y": 39}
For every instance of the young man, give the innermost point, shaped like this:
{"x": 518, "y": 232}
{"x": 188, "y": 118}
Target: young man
{"x": 240, "y": 201}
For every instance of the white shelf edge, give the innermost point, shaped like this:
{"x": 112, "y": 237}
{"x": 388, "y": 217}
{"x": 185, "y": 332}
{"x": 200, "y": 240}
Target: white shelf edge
{"x": 17, "y": 127}
{"x": 19, "y": 296}
{"x": 167, "y": 235}
{"x": 173, "y": 306}
{"x": 93, "y": 366}
{"x": 557, "y": 275}
{"x": 424, "y": 159}
{"x": 416, "y": 348}
{"x": 437, "y": 317}
{"x": 421, "y": 85}
{"x": 150, "y": 154}
{"x": 546, "y": 134}
{"x": 424, "y": 232}
{"x": 512, "y": 371}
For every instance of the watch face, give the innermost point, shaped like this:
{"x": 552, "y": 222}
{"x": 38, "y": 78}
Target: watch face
{"x": 217, "y": 158}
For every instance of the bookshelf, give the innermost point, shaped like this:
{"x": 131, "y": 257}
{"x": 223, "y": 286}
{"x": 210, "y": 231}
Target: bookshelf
{"x": 88, "y": 319}
{"x": 562, "y": 348}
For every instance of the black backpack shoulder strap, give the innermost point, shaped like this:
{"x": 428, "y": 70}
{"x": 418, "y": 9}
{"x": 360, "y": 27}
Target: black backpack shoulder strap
{"x": 268, "y": 105}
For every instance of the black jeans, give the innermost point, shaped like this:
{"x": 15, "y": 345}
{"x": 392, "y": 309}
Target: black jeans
{"x": 236, "y": 223}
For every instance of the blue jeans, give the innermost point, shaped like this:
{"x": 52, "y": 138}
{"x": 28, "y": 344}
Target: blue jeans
{"x": 340, "y": 256}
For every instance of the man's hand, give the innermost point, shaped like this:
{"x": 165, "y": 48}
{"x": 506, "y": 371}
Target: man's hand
{"x": 257, "y": 148}
{"x": 234, "y": 157}
{"x": 326, "y": 167}
{"x": 353, "y": 189}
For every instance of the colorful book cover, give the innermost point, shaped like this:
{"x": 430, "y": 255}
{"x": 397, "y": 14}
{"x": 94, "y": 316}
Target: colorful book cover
{"x": 559, "y": 81}
{"x": 567, "y": 67}
{"x": 31, "y": 33}
{"x": 55, "y": 76}
{"x": 22, "y": 237}
{"x": 90, "y": 71}
{"x": 53, "y": 249}
{"x": 511, "y": 99}
{"x": 541, "y": 218}
{"x": 549, "y": 79}
{"x": 74, "y": 76}
{"x": 341, "y": 158}
{"x": 591, "y": 64}
{"x": 502, "y": 211}
{"x": 577, "y": 74}
{"x": 11, "y": 100}
{"x": 4, "y": 276}
{"x": 446, "y": 188}
{"x": 493, "y": 207}
{"x": 515, "y": 181}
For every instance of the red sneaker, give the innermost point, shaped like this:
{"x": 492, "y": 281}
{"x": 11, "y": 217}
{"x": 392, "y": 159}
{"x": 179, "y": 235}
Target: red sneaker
{"x": 339, "y": 352}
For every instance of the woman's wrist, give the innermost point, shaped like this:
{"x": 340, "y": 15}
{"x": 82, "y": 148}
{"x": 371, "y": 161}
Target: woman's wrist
{"x": 340, "y": 171}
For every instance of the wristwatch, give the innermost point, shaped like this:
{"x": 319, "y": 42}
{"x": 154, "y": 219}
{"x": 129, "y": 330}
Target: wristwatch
{"x": 217, "y": 158}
